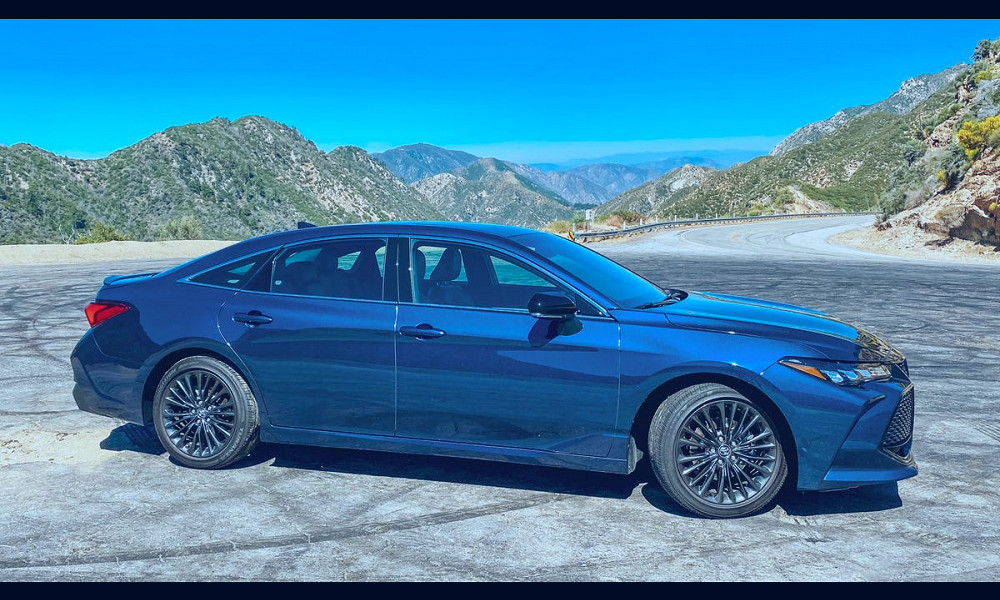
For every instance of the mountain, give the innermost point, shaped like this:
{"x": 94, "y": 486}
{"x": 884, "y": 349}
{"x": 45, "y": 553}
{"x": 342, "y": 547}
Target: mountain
{"x": 909, "y": 95}
{"x": 414, "y": 162}
{"x": 225, "y": 180}
{"x": 939, "y": 154}
{"x": 574, "y": 188}
{"x": 584, "y": 185}
{"x": 490, "y": 191}
{"x": 720, "y": 159}
{"x": 615, "y": 178}
{"x": 653, "y": 197}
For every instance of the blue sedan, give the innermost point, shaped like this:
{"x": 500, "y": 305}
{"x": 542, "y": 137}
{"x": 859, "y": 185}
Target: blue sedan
{"x": 498, "y": 343}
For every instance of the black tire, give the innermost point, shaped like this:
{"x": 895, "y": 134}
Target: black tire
{"x": 205, "y": 413}
{"x": 717, "y": 475}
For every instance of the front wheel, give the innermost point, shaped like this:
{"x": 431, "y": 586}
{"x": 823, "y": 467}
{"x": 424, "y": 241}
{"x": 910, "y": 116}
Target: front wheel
{"x": 205, "y": 413}
{"x": 716, "y": 452}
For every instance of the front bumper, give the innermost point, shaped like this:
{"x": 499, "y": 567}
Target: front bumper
{"x": 878, "y": 448}
{"x": 847, "y": 436}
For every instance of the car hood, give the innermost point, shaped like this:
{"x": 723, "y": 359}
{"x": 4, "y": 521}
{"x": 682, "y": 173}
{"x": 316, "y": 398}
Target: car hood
{"x": 749, "y": 316}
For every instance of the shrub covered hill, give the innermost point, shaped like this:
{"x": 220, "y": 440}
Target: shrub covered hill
{"x": 490, "y": 191}
{"x": 890, "y": 156}
{"x": 220, "y": 179}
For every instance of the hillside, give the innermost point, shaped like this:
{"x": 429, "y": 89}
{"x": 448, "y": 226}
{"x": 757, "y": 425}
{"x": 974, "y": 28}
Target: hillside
{"x": 952, "y": 191}
{"x": 573, "y": 188}
{"x": 853, "y": 167}
{"x": 490, "y": 191}
{"x": 655, "y": 196}
{"x": 909, "y": 95}
{"x": 220, "y": 179}
{"x": 414, "y": 162}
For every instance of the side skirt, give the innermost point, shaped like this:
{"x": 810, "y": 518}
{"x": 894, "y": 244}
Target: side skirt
{"x": 358, "y": 441}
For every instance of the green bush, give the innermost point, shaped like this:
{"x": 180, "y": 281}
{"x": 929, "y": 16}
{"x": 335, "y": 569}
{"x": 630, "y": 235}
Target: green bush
{"x": 976, "y": 135}
{"x": 984, "y": 75}
{"x": 101, "y": 232}
{"x": 184, "y": 228}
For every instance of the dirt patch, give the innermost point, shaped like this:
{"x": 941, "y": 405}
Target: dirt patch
{"x": 912, "y": 242}
{"x": 33, "y": 445}
{"x": 33, "y": 254}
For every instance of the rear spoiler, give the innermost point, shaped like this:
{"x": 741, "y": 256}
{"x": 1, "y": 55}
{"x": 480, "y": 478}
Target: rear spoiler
{"x": 114, "y": 279}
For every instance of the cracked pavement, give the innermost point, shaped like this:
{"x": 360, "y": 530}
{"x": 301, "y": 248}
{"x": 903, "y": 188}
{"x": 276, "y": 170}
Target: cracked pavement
{"x": 91, "y": 498}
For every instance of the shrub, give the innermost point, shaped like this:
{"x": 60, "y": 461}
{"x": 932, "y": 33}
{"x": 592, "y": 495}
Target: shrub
{"x": 184, "y": 228}
{"x": 564, "y": 226}
{"x": 101, "y": 232}
{"x": 976, "y": 135}
{"x": 984, "y": 75}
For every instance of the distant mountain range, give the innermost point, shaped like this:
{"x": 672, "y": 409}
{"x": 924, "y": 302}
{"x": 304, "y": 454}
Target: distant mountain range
{"x": 414, "y": 162}
{"x": 586, "y": 185}
{"x": 491, "y": 191}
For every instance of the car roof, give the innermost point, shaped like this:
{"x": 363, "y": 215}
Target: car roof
{"x": 472, "y": 231}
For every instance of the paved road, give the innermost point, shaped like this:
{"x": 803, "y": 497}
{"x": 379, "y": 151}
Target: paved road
{"x": 86, "y": 497}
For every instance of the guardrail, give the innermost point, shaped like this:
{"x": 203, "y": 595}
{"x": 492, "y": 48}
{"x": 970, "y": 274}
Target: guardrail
{"x": 610, "y": 233}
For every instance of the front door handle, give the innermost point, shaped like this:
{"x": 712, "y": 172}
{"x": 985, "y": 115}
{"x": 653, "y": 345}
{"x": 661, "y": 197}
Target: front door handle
{"x": 422, "y": 331}
{"x": 252, "y": 318}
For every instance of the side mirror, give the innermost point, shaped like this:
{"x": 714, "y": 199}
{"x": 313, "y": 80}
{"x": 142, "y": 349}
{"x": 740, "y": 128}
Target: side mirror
{"x": 552, "y": 305}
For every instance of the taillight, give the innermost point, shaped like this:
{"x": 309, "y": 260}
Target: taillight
{"x": 100, "y": 311}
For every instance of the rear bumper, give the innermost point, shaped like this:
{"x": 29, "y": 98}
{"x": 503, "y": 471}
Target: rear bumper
{"x": 103, "y": 387}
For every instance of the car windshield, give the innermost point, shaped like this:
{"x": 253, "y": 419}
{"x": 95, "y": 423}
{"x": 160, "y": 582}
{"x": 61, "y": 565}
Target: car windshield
{"x": 622, "y": 286}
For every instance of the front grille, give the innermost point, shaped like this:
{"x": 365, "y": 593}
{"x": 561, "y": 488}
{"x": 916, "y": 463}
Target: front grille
{"x": 900, "y": 428}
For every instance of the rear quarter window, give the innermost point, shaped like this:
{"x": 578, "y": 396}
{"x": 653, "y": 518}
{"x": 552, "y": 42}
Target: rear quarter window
{"x": 234, "y": 274}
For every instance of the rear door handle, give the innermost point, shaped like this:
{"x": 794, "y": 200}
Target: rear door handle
{"x": 422, "y": 331}
{"x": 252, "y": 318}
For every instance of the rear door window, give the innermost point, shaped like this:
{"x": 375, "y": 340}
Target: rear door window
{"x": 352, "y": 268}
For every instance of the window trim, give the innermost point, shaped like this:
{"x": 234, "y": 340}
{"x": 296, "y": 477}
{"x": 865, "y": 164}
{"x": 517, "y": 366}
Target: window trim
{"x": 270, "y": 260}
{"x": 503, "y": 252}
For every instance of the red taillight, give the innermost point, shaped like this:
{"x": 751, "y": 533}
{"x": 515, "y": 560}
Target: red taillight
{"x": 99, "y": 312}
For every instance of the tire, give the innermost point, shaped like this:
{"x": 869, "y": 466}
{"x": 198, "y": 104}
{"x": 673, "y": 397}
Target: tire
{"x": 205, "y": 413}
{"x": 735, "y": 470}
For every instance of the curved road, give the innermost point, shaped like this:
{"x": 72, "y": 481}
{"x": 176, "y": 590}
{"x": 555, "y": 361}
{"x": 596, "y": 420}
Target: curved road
{"x": 792, "y": 238}
{"x": 88, "y": 498}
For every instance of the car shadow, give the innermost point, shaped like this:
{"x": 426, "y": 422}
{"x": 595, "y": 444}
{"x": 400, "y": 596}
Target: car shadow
{"x": 142, "y": 439}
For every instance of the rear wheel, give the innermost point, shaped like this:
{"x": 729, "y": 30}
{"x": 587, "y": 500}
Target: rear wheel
{"x": 205, "y": 413}
{"x": 716, "y": 452}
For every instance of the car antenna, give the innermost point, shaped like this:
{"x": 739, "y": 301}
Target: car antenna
{"x": 305, "y": 224}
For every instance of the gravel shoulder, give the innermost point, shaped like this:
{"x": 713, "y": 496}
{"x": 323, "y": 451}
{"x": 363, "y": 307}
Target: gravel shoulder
{"x": 34, "y": 254}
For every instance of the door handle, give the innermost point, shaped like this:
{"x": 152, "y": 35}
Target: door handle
{"x": 252, "y": 318}
{"x": 422, "y": 331}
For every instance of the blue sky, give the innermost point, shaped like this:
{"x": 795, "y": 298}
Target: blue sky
{"x": 532, "y": 91}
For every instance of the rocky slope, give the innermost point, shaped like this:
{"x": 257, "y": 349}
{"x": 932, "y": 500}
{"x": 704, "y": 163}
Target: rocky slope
{"x": 655, "y": 197}
{"x": 414, "y": 162}
{"x": 490, "y": 191}
{"x": 221, "y": 179}
{"x": 909, "y": 95}
{"x": 953, "y": 190}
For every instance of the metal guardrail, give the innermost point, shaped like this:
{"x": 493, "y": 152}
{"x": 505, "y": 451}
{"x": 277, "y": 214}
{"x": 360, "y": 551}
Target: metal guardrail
{"x": 610, "y": 233}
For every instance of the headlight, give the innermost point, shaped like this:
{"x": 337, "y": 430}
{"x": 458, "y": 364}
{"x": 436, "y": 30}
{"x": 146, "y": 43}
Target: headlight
{"x": 838, "y": 372}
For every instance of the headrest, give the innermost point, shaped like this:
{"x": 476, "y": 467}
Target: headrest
{"x": 449, "y": 267}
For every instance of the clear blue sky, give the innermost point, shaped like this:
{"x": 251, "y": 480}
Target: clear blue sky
{"x": 522, "y": 90}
